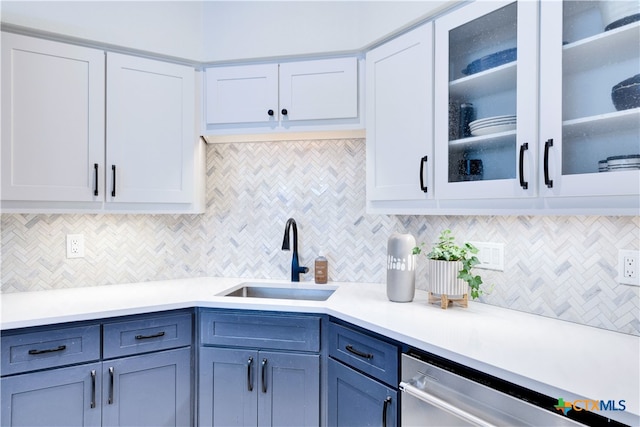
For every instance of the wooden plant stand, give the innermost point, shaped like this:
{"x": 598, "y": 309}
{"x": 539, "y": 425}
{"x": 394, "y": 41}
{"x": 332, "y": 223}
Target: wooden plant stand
{"x": 445, "y": 301}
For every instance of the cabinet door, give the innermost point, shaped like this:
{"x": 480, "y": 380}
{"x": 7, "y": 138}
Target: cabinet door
{"x": 400, "y": 117}
{"x": 485, "y": 93}
{"x": 242, "y": 94}
{"x": 52, "y": 121}
{"x": 228, "y": 387}
{"x": 588, "y": 146}
{"x": 357, "y": 400}
{"x": 148, "y": 390}
{"x": 61, "y": 397}
{"x": 319, "y": 90}
{"x": 151, "y": 140}
{"x": 289, "y": 389}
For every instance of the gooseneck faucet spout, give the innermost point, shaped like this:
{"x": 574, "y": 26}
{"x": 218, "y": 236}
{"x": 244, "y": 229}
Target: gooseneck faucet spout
{"x": 296, "y": 269}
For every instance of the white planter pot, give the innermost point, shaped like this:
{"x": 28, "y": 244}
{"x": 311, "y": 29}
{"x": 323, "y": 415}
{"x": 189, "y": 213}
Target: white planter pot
{"x": 443, "y": 278}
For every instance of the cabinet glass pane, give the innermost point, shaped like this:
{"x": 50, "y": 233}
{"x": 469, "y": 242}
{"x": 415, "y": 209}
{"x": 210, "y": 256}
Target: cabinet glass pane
{"x": 482, "y": 97}
{"x": 601, "y": 48}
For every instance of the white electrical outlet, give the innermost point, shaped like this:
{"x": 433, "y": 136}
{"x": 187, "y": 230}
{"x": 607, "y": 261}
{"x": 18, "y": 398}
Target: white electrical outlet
{"x": 490, "y": 255}
{"x": 75, "y": 245}
{"x": 628, "y": 267}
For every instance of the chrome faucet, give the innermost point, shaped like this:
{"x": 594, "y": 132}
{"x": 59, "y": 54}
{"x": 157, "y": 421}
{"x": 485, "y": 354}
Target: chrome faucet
{"x": 296, "y": 269}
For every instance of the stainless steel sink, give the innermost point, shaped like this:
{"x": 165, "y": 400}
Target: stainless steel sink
{"x": 258, "y": 290}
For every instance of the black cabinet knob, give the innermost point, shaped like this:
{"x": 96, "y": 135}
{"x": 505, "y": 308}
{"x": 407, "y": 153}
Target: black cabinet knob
{"x": 270, "y": 112}
{"x": 284, "y": 112}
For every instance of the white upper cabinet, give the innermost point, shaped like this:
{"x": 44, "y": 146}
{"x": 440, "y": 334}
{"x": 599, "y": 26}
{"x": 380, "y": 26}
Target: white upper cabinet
{"x": 151, "y": 137}
{"x": 485, "y": 94}
{"x": 56, "y": 112}
{"x": 52, "y": 121}
{"x": 263, "y": 97}
{"x": 399, "y": 111}
{"x": 319, "y": 90}
{"x": 241, "y": 94}
{"x": 588, "y": 146}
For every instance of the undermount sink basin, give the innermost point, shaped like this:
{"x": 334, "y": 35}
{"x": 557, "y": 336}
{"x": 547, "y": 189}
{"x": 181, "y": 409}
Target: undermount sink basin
{"x": 276, "y": 291}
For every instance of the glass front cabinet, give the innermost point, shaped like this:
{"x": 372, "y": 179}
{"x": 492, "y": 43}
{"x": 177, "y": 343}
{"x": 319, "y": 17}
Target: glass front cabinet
{"x": 590, "y": 145}
{"x": 523, "y": 102}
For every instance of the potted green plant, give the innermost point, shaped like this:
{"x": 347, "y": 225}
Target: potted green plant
{"x": 450, "y": 268}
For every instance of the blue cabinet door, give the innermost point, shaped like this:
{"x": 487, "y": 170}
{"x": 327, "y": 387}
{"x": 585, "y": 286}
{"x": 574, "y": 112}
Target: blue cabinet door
{"x": 148, "y": 390}
{"x": 64, "y": 397}
{"x": 289, "y": 392}
{"x": 357, "y": 400}
{"x": 228, "y": 387}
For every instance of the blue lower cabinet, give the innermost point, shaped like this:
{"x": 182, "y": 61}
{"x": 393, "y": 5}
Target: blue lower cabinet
{"x": 147, "y": 390}
{"x": 240, "y": 387}
{"x": 63, "y": 397}
{"x": 358, "y": 400}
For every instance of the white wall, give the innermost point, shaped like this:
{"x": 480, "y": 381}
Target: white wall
{"x": 259, "y": 29}
{"x": 165, "y": 27}
{"x": 214, "y": 30}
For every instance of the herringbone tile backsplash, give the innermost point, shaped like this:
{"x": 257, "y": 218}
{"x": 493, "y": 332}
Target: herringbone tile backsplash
{"x": 557, "y": 266}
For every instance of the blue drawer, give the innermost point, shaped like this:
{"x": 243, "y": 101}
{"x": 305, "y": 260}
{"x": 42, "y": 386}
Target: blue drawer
{"x": 49, "y": 348}
{"x": 141, "y": 335}
{"x": 281, "y": 332}
{"x": 366, "y": 353}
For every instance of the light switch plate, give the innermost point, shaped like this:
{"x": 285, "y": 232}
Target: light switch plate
{"x": 490, "y": 255}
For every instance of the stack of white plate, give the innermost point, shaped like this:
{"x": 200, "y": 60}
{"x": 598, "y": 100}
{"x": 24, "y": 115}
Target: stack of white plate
{"x": 492, "y": 125}
{"x": 618, "y": 163}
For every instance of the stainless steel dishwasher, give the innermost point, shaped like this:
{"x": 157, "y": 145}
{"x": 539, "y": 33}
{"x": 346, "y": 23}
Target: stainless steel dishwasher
{"x": 438, "y": 392}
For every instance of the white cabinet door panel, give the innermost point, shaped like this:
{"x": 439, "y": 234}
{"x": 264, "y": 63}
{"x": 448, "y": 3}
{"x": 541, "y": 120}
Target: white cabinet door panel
{"x": 150, "y": 132}
{"x": 52, "y": 120}
{"x": 319, "y": 90}
{"x": 400, "y": 118}
{"x": 241, "y": 94}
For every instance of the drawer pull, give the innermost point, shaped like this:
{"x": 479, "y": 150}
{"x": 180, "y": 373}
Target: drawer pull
{"x": 146, "y": 337}
{"x": 264, "y": 375}
{"x": 93, "y": 389}
{"x": 48, "y": 350}
{"x": 385, "y": 405}
{"x": 350, "y": 349}
{"x": 111, "y": 375}
{"x": 249, "y": 374}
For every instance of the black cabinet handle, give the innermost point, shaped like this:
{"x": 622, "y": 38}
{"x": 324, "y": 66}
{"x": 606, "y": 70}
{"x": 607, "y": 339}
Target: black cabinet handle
{"x": 423, "y": 161}
{"x": 264, "y": 375}
{"x": 48, "y": 350}
{"x": 385, "y": 405}
{"x": 524, "y": 147}
{"x": 548, "y": 182}
{"x": 270, "y": 112}
{"x": 111, "y": 375}
{"x": 93, "y": 389}
{"x": 284, "y": 112}
{"x": 350, "y": 349}
{"x": 146, "y": 337}
{"x": 95, "y": 177}
{"x": 249, "y": 372}
{"x": 113, "y": 175}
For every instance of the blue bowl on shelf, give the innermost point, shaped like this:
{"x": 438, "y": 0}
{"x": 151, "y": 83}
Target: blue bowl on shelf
{"x": 626, "y": 94}
{"x": 491, "y": 61}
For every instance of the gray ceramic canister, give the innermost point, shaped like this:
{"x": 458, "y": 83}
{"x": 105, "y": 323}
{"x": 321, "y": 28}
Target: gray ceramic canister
{"x": 401, "y": 268}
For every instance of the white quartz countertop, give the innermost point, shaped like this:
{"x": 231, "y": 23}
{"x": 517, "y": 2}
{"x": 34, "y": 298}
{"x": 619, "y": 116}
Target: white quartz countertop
{"x": 557, "y": 358}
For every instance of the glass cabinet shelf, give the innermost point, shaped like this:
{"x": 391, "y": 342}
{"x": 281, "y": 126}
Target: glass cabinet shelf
{"x": 619, "y": 121}
{"x": 498, "y": 79}
{"x": 601, "y": 49}
{"x": 496, "y": 140}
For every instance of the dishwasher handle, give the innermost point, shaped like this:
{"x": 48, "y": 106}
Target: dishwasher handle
{"x": 443, "y": 405}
